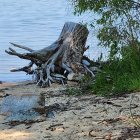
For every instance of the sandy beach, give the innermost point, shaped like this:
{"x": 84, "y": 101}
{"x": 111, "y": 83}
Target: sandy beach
{"x": 83, "y": 117}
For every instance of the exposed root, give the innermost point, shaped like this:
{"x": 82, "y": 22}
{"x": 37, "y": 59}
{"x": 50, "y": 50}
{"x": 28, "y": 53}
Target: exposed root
{"x": 27, "y": 69}
{"x": 22, "y": 47}
{"x": 92, "y": 74}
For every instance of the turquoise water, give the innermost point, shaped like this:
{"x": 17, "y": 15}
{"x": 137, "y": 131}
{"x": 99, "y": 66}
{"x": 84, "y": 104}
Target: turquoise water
{"x": 33, "y": 23}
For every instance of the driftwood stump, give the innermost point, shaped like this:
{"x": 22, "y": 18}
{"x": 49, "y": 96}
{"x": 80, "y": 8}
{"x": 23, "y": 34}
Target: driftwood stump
{"x": 61, "y": 61}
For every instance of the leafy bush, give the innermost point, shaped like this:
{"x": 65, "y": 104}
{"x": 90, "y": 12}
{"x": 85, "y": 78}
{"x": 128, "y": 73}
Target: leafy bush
{"x": 119, "y": 75}
{"x": 118, "y": 25}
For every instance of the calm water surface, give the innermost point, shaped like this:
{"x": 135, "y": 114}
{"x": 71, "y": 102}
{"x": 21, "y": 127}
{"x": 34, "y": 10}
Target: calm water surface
{"x": 33, "y": 23}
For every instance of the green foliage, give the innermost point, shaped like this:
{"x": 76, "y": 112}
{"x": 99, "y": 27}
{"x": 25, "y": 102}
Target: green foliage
{"x": 119, "y": 75}
{"x": 73, "y": 91}
{"x": 119, "y": 26}
{"x": 118, "y": 20}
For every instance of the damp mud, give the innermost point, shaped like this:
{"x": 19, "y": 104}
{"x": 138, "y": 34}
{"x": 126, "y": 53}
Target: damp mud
{"x": 22, "y": 107}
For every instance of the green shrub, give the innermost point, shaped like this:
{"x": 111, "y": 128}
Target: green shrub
{"x": 73, "y": 91}
{"x": 119, "y": 75}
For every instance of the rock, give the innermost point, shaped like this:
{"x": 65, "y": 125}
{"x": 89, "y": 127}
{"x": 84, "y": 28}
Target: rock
{"x": 70, "y": 76}
{"x": 93, "y": 133}
{"x": 85, "y": 62}
{"x": 75, "y": 77}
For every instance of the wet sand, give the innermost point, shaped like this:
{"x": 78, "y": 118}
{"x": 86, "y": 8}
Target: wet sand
{"x": 84, "y": 117}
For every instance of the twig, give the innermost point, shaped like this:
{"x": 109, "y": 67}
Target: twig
{"x": 22, "y": 47}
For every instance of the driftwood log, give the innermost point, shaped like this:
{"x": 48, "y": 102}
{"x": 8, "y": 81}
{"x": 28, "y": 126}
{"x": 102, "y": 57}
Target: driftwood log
{"x": 63, "y": 60}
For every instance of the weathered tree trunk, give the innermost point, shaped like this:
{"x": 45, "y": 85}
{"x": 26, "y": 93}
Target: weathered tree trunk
{"x": 60, "y": 61}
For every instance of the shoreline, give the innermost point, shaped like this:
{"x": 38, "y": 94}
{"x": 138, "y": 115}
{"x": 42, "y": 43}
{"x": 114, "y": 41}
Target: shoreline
{"x": 6, "y": 84}
{"x": 81, "y": 117}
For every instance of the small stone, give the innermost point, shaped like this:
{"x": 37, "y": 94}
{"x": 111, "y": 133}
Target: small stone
{"x": 92, "y": 133}
{"x": 85, "y": 62}
{"x": 70, "y": 76}
{"x": 75, "y": 77}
